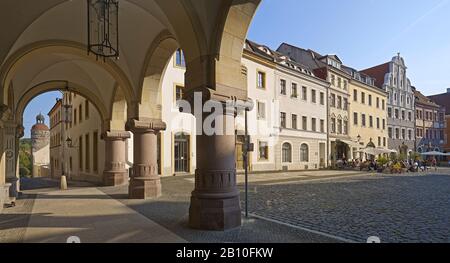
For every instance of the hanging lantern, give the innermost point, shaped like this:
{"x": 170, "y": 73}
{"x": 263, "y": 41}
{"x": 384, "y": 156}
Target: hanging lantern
{"x": 103, "y": 28}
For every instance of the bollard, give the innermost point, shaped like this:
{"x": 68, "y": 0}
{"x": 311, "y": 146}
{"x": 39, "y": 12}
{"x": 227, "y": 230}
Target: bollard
{"x": 63, "y": 182}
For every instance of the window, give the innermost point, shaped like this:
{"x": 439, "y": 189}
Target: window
{"x": 80, "y": 113}
{"x": 345, "y": 84}
{"x": 379, "y": 141}
{"x": 87, "y": 163}
{"x": 95, "y": 151}
{"x": 304, "y": 123}
{"x": 370, "y": 100}
{"x": 355, "y": 118}
{"x": 283, "y": 120}
{"x": 397, "y": 133}
{"x": 339, "y": 102}
{"x": 409, "y": 134}
{"x": 378, "y": 123}
{"x": 294, "y": 121}
{"x": 333, "y": 125}
{"x": 345, "y": 104}
{"x": 304, "y": 93}
{"x": 390, "y": 132}
{"x": 363, "y": 120}
{"x": 333, "y": 80}
{"x": 261, "y": 80}
{"x": 178, "y": 93}
{"x": 314, "y": 124}
{"x": 304, "y": 153}
{"x": 339, "y": 82}
{"x": 378, "y": 103}
{"x": 86, "y": 109}
{"x": 396, "y": 113}
{"x": 363, "y": 98}
{"x": 403, "y": 115}
{"x": 403, "y": 134}
{"x": 370, "y": 121}
{"x": 384, "y": 142}
{"x": 383, "y": 104}
{"x": 333, "y": 101}
{"x": 355, "y": 95}
{"x": 283, "y": 87}
{"x": 80, "y": 153}
{"x": 339, "y": 126}
{"x": 409, "y": 116}
{"x": 263, "y": 151}
{"x": 322, "y": 98}
{"x": 287, "y": 153}
{"x": 179, "y": 58}
{"x": 313, "y": 96}
{"x": 322, "y": 125}
{"x": 294, "y": 90}
{"x": 345, "y": 127}
{"x": 261, "y": 107}
{"x": 390, "y": 112}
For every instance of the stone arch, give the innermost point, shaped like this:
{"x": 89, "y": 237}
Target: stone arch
{"x": 55, "y": 85}
{"x": 157, "y": 59}
{"x": 26, "y": 53}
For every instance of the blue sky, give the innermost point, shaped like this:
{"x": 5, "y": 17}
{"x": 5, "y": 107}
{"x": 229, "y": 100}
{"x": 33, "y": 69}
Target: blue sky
{"x": 363, "y": 33}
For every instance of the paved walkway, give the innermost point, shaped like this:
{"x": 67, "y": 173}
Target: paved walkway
{"x": 86, "y": 213}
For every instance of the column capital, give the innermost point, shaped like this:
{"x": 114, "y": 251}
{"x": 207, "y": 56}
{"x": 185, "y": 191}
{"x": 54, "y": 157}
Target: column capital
{"x": 115, "y": 135}
{"x": 144, "y": 125}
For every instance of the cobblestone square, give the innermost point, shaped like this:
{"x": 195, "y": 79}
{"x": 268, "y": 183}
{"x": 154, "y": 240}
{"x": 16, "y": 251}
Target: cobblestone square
{"x": 395, "y": 208}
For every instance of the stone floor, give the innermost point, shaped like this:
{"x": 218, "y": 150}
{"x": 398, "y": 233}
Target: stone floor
{"x": 303, "y": 207}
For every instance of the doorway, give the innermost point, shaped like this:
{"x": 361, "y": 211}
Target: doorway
{"x": 181, "y": 153}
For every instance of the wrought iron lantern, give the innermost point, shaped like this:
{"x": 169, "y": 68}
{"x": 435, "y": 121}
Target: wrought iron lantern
{"x": 103, "y": 28}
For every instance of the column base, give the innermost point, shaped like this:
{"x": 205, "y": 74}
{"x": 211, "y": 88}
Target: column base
{"x": 215, "y": 212}
{"x": 145, "y": 188}
{"x": 115, "y": 178}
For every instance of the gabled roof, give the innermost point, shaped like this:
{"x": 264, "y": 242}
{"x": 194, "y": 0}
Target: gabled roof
{"x": 423, "y": 100}
{"x": 443, "y": 100}
{"x": 277, "y": 57}
{"x": 378, "y": 73}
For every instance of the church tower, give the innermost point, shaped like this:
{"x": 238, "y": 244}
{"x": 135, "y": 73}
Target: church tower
{"x": 40, "y": 143}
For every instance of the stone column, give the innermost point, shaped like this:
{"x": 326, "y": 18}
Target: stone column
{"x": 145, "y": 181}
{"x": 215, "y": 199}
{"x": 115, "y": 172}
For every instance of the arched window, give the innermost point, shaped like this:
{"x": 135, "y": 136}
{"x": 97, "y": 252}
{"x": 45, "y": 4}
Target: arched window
{"x": 304, "y": 153}
{"x": 287, "y": 153}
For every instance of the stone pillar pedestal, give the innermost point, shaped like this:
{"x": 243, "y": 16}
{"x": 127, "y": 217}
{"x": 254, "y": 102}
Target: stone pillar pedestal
{"x": 145, "y": 182}
{"x": 215, "y": 200}
{"x": 115, "y": 172}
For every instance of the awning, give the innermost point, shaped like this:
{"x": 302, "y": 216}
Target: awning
{"x": 376, "y": 151}
{"x": 434, "y": 153}
{"x": 351, "y": 143}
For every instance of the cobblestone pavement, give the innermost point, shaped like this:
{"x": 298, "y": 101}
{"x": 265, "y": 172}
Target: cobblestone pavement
{"x": 396, "y": 208}
{"x": 172, "y": 211}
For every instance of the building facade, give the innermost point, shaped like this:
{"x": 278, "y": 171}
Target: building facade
{"x": 392, "y": 78}
{"x": 430, "y": 124}
{"x": 443, "y": 100}
{"x": 330, "y": 69}
{"x": 367, "y": 112}
{"x": 40, "y": 148}
{"x": 288, "y": 123}
{"x": 56, "y": 140}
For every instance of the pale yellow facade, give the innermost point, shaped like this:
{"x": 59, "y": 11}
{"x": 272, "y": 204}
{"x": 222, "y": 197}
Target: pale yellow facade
{"x": 368, "y": 115}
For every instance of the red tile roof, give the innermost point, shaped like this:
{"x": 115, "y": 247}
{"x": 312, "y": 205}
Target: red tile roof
{"x": 378, "y": 73}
